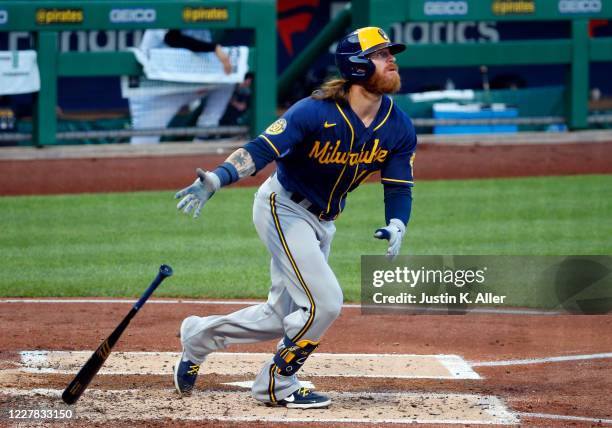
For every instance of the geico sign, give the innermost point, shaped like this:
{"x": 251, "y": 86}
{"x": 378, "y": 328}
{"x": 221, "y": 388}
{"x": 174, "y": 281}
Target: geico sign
{"x": 579, "y": 6}
{"x": 132, "y": 15}
{"x": 446, "y": 8}
{"x": 3, "y": 17}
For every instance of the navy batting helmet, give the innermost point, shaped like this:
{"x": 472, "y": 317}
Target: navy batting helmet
{"x": 352, "y": 51}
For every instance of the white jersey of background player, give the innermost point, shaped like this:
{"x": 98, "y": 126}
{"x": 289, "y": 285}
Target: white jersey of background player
{"x": 155, "y": 111}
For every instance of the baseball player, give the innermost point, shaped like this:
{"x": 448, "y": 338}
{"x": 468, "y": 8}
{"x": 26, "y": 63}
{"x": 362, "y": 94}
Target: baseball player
{"x": 324, "y": 147}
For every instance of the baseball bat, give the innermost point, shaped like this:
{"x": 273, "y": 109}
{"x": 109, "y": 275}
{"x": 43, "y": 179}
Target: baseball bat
{"x": 78, "y": 385}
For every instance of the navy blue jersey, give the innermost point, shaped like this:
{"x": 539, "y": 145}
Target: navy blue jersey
{"x": 323, "y": 150}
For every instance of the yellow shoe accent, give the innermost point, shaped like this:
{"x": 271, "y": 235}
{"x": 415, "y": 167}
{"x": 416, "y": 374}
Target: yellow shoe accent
{"x": 193, "y": 369}
{"x": 303, "y": 391}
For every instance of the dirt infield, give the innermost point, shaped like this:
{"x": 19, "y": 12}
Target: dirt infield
{"x": 381, "y": 370}
{"x": 171, "y": 171}
{"x": 502, "y": 349}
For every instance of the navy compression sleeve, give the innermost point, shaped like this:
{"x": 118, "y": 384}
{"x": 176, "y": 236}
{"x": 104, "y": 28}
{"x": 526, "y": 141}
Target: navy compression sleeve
{"x": 398, "y": 203}
{"x": 176, "y": 39}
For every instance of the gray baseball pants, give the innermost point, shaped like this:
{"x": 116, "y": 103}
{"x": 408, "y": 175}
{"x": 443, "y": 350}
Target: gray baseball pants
{"x": 304, "y": 299}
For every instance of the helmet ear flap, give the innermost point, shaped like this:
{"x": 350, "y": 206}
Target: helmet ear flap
{"x": 362, "y": 68}
{"x": 351, "y": 59}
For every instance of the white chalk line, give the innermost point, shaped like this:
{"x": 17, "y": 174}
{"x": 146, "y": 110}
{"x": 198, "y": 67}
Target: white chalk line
{"x": 457, "y": 368}
{"x": 564, "y": 417}
{"x": 494, "y": 407}
{"x": 541, "y": 360}
{"x": 449, "y": 361}
{"x": 57, "y": 393}
{"x": 32, "y": 370}
{"x": 483, "y": 310}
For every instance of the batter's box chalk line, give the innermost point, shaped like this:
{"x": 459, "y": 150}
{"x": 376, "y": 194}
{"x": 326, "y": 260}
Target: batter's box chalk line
{"x": 231, "y": 406}
{"x": 396, "y": 366}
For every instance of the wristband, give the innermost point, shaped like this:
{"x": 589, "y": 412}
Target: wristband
{"x": 227, "y": 173}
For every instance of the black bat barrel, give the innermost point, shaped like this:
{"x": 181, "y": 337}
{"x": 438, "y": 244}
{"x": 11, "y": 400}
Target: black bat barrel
{"x": 80, "y": 382}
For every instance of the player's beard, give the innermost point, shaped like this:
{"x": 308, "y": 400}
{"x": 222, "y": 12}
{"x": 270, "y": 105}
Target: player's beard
{"x": 385, "y": 82}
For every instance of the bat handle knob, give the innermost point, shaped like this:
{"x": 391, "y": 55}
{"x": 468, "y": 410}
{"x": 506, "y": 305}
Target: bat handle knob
{"x": 165, "y": 270}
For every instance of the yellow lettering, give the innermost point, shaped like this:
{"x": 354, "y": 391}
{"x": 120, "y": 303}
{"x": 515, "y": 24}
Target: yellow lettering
{"x": 104, "y": 350}
{"x": 199, "y": 14}
{"x": 373, "y": 151}
{"x": 363, "y": 156}
{"x": 382, "y": 155}
{"x": 505, "y": 7}
{"x": 336, "y": 147}
{"x": 324, "y": 154}
{"x": 59, "y": 16}
{"x": 339, "y": 158}
{"x": 316, "y": 153}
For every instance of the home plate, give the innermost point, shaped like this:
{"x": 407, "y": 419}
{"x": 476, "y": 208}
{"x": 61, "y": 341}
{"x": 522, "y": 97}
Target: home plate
{"x": 397, "y": 366}
{"x": 371, "y": 408}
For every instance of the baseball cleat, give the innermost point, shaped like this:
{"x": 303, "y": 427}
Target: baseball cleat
{"x": 304, "y": 398}
{"x": 185, "y": 375}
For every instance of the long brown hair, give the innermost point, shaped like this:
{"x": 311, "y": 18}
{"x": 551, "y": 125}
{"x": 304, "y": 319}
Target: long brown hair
{"x": 334, "y": 90}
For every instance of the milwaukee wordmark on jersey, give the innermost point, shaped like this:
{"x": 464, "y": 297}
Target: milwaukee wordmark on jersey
{"x": 323, "y": 150}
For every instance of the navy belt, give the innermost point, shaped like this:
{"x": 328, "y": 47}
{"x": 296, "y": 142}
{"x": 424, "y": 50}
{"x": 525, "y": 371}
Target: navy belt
{"x": 305, "y": 203}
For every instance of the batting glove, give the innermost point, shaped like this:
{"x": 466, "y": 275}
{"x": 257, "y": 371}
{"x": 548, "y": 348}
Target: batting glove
{"x": 394, "y": 233}
{"x": 196, "y": 195}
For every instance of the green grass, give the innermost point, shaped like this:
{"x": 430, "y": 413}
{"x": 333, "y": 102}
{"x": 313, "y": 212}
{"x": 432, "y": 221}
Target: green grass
{"x": 112, "y": 244}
